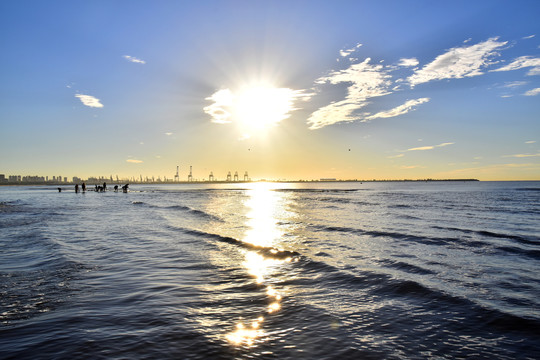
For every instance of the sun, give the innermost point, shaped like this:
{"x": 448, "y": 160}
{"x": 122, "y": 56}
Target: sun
{"x": 254, "y": 109}
{"x": 259, "y": 108}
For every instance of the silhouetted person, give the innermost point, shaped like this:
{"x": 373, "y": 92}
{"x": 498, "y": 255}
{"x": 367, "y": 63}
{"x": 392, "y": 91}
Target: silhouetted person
{"x": 115, "y": 188}
{"x": 76, "y": 188}
{"x": 104, "y": 186}
{"x": 83, "y": 187}
{"x": 125, "y": 188}
{"x": 59, "y": 189}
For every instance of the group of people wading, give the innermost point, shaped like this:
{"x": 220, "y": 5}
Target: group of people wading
{"x": 98, "y": 188}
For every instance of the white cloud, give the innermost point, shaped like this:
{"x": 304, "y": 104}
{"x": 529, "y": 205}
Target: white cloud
{"x": 528, "y": 37}
{"x": 365, "y": 82}
{"x": 222, "y": 99}
{"x": 134, "y": 161}
{"x": 399, "y": 110}
{"x": 347, "y": 52}
{"x": 134, "y": 59}
{"x": 523, "y": 62}
{"x": 459, "y": 62}
{"x": 89, "y": 100}
{"x": 532, "y": 92}
{"x": 396, "y": 156}
{"x": 168, "y": 133}
{"x": 530, "y": 142}
{"x": 341, "y": 111}
{"x": 412, "y": 62}
{"x": 422, "y": 148}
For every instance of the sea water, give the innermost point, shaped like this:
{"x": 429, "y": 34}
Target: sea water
{"x": 397, "y": 270}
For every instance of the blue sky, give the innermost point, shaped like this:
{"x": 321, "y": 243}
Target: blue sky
{"x": 282, "y": 89}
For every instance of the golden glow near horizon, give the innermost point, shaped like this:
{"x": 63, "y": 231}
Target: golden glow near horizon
{"x": 265, "y": 207}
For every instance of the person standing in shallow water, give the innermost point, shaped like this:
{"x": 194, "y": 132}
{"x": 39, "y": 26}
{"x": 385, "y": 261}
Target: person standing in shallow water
{"x": 104, "y": 186}
{"x": 76, "y": 188}
{"x": 83, "y": 187}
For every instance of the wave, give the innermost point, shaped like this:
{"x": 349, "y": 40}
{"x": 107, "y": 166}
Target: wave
{"x": 184, "y": 208}
{"x": 406, "y": 267}
{"x": 399, "y": 206}
{"x": 11, "y": 206}
{"x": 401, "y": 236}
{"x": 447, "y": 305}
{"x": 485, "y": 233}
{"x": 534, "y": 254}
{"x": 267, "y": 251}
{"x": 452, "y": 241}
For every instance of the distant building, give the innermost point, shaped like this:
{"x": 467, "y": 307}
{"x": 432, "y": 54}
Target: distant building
{"x": 33, "y": 179}
{"x": 3, "y": 178}
{"x": 328, "y": 179}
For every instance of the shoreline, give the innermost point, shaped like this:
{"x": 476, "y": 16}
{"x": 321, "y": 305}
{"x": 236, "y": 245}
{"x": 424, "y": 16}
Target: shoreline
{"x": 246, "y": 182}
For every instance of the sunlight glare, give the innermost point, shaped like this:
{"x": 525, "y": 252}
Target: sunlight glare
{"x": 255, "y": 108}
{"x": 244, "y": 335}
{"x": 259, "y": 108}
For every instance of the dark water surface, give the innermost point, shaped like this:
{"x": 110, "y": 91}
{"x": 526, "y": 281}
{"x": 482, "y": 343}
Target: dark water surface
{"x": 310, "y": 271}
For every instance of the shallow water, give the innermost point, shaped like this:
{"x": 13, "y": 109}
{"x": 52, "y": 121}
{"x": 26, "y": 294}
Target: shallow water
{"x": 258, "y": 270}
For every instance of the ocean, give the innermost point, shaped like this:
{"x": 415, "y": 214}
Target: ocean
{"x": 373, "y": 270}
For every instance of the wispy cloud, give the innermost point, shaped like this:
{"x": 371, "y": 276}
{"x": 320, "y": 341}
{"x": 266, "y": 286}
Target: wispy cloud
{"x": 528, "y": 37}
{"x": 523, "y": 62}
{"x": 532, "y": 92}
{"x": 134, "y": 161}
{"x": 514, "y": 84}
{"x": 459, "y": 62}
{"x": 168, "y": 133}
{"x": 422, "y": 148}
{"x": 347, "y": 52}
{"x": 408, "y": 167}
{"x": 365, "y": 82}
{"x": 89, "y": 100}
{"x": 411, "y": 62}
{"x": 521, "y": 155}
{"x": 399, "y": 110}
{"x": 395, "y": 156}
{"x": 134, "y": 59}
{"x": 530, "y": 142}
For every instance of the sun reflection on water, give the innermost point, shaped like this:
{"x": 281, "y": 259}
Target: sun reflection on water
{"x": 265, "y": 210}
